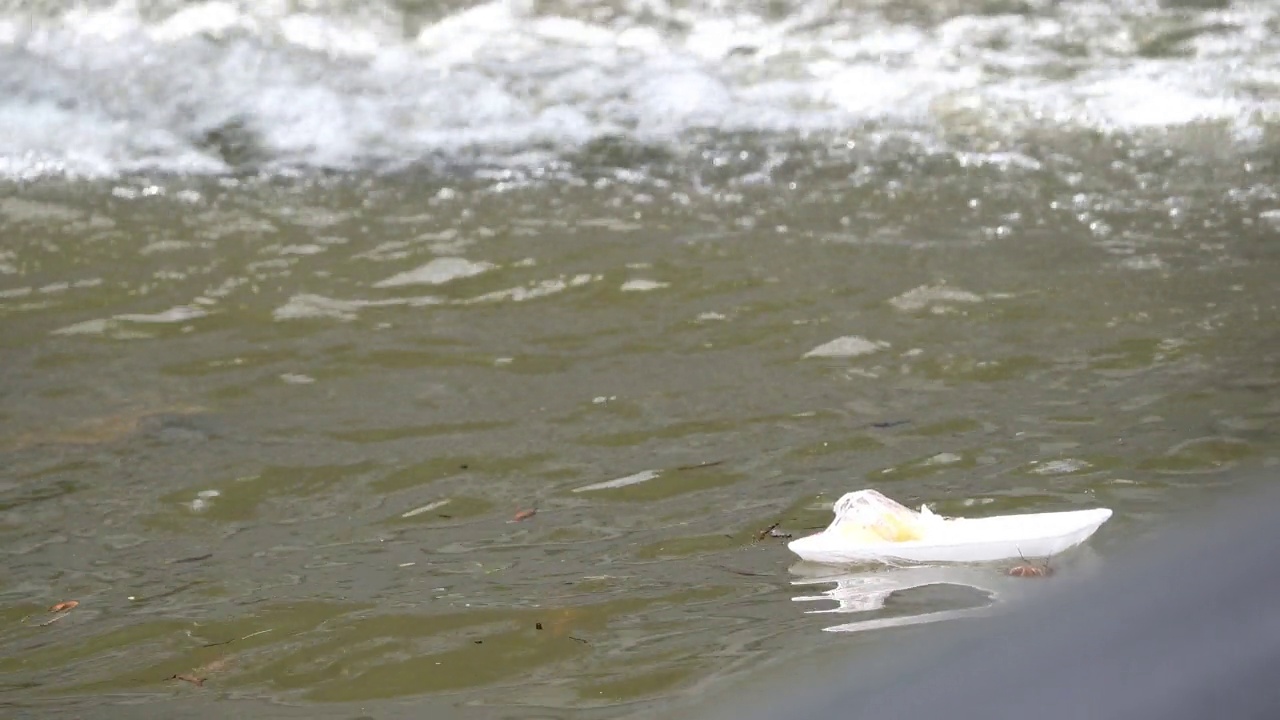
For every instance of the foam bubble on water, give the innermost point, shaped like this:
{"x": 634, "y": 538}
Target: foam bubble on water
{"x": 165, "y": 246}
{"x": 88, "y": 327}
{"x": 308, "y": 306}
{"x": 634, "y": 479}
{"x": 302, "y": 249}
{"x": 944, "y": 458}
{"x": 1137, "y": 102}
{"x": 642, "y": 285}
{"x": 1060, "y": 467}
{"x": 117, "y": 326}
{"x": 213, "y": 19}
{"x": 203, "y": 500}
{"x": 1144, "y": 262}
{"x": 927, "y": 295}
{"x": 848, "y": 346}
{"x": 437, "y": 272}
{"x": 182, "y": 313}
{"x": 533, "y": 291}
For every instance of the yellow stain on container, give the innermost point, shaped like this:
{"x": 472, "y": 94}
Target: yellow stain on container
{"x": 886, "y": 528}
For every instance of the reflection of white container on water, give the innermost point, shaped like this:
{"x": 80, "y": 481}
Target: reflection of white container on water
{"x": 866, "y": 593}
{"x": 870, "y": 527}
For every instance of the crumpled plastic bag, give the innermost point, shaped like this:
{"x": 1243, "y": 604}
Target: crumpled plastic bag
{"x": 866, "y": 516}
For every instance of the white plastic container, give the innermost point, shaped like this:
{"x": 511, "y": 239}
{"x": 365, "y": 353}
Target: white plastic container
{"x": 872, "y": 528}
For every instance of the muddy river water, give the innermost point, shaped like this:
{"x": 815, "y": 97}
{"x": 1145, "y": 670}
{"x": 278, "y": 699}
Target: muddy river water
{"x": 302, "y": 303}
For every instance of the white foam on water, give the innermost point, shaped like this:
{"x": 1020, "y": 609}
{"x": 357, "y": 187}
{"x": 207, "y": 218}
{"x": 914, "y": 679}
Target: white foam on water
{"x": 165, "y": 246}
{"x": 928, "y": 295}
{"x": 848, "y": 346}
{"x": 425, "y": 508}
{"x": 296, "y": 379}
{"x": 310, "y": 306}
{"x": 437, "y": 272}
{"x": 1143, "y": 262}
{"x": 1064, "y": 466}
{"x": 182, "y": 313}
{"x": 634, "y": 479}
{"x": 533, "y": 291}
{"x": 89, "y": 327}
{"x": 209, "y": 87}
{"x": 944, "y": 458}
{"x": 642, "y": 285}
{"x": 303, "y": 249}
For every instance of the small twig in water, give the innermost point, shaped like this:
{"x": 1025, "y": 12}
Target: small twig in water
{"x": 771, "y": 531}
{"x": 246, "y": 637}
{"x": 196, "y": 558}
{"x": 1027, "y": 569}
{"x": 762, "y": 534}
{"x": 699, "y": 466}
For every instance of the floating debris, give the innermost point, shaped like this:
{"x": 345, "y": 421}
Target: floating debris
{"x": 637, "y": 478}
{"x": 428, "y": 507}
{"x": 1030, "y": 571}
{"x": 699, "y": 466}
{"x": 870, "y": 527}
{"x": 246, "y": 637}
{"x": 196, "y": 558}
{"x": 772, "y": 531}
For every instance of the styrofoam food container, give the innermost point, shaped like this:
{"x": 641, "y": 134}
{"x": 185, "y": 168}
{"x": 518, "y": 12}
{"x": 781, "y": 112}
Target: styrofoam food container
{"x": 1003, "y": 537}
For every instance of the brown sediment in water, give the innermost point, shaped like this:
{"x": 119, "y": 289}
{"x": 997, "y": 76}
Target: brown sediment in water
{"x": 101, "y": 430}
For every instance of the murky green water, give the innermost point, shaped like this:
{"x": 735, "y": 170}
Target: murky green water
{"x": 329, "y": 470}
{"x": 271, "y": 426}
